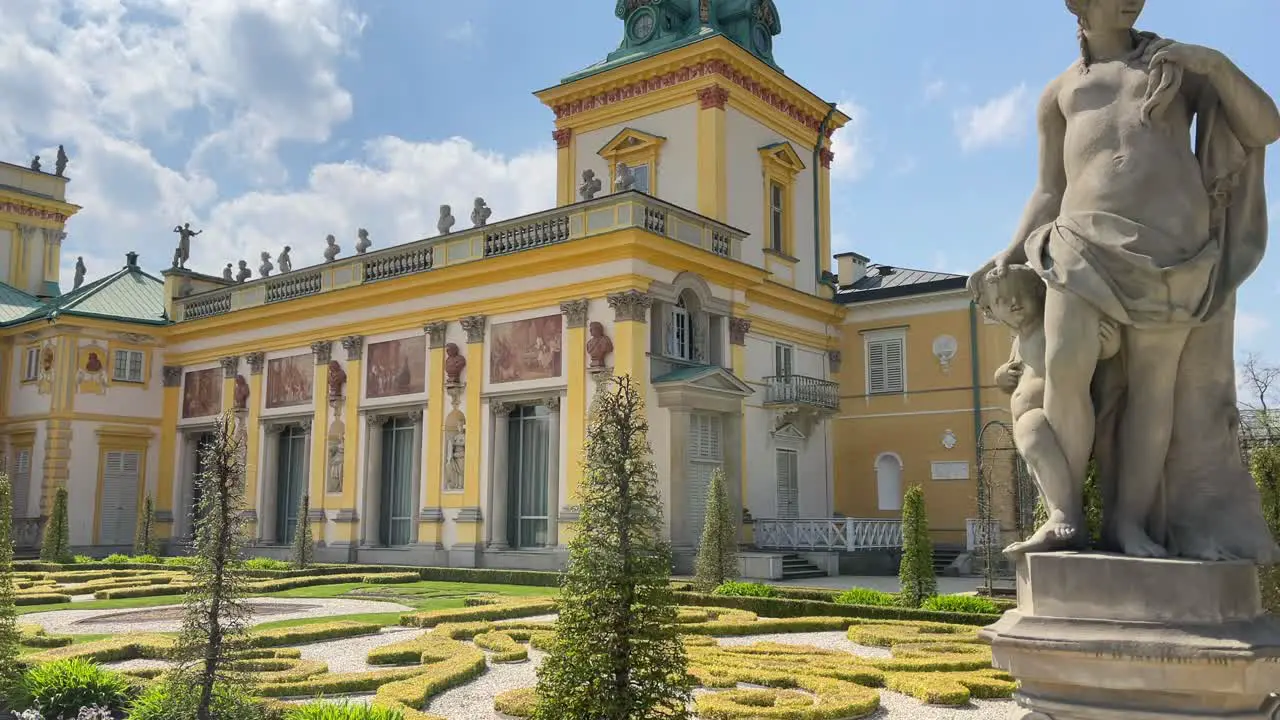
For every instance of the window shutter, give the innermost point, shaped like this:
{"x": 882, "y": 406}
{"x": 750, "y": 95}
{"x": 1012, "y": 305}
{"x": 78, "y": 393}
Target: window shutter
{"x": 788, "y": 490}
{"x": 893, "y": 366}
{"x": 875, "y": 368}
{"x": 119, "y": 508}
{"x": 885, "y": 373}
{"x": 21, "y": 482}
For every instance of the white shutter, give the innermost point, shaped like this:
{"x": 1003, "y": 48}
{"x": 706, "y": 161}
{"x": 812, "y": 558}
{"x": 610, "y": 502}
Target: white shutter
{"x": 875, "y": 368}
{"x": 119, "y": 503}
{"x": 788, "y": 488}
{"x": 885, "y": 366}
{"x": 21, "y": 481}
{"x": 893, "y": 362}
{"x": 704, "y": 457}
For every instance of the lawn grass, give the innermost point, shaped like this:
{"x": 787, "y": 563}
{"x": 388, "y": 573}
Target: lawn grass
{"x": 121, "y": 603}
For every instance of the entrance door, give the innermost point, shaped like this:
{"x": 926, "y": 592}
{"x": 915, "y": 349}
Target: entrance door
{"x": 529, "y": 437}
{"x": 395, "y": 526}
{"x": 291, "y": 481}
{"x": 788, "y": 485}
{"x": 705, "y": 455}
{"x": 119, "y": 502}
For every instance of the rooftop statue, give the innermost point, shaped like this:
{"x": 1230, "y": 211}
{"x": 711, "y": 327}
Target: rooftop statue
{"x": 363, "y": 243}
{"x": 60, "y": 163}
{"x": 1135, "y": 223}
{"x": 590, "y": 185}
{"x": 183, "y": 253}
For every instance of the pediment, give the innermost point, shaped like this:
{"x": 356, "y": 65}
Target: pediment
{"x": 707, "y": 379}
{"x": 783, "y": 155}
{"x": 789, "y": 432}
{"x": 630, "y": 140}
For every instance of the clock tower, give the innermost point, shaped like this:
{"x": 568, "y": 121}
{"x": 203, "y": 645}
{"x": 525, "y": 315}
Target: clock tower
{"x": 652, "y": 26}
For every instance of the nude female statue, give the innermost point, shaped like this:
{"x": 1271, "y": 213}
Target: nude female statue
{"x": 1128, "y": 224}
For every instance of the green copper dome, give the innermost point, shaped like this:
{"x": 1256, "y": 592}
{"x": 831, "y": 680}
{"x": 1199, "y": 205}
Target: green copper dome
{"x": 654, "y": 26}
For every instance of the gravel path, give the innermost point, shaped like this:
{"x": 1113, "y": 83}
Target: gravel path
{"x": 70, "y": 622}
{"x": 350, "y": 654}
{"x": 474, "y": 701}
{"x": 820, "y": 640}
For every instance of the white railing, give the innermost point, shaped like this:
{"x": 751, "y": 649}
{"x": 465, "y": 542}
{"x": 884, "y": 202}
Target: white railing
{"x": 977, "y": 533}
{"x": 846, "y": 534}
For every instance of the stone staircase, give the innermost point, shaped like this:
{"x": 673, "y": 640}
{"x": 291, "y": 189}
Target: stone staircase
{"x": 795, "y": 567}
{"x": 944, "y": 555}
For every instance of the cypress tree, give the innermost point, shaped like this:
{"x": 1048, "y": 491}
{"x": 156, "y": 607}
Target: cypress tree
{"x": 616, "y": 654}
{"x": 915, "y": 574}
{"x": 718, "y": 551}
{"x": 303, "y": 546}
{"x": 10, "y": 669}
{"x": 56, "y": 547}
{"x": 144, "y": 538}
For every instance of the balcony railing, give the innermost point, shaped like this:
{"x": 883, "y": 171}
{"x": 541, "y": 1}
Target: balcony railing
{"x": 832, "y": 534}
{"x": 607, "y": 214}
{"x": 802, "y": 390}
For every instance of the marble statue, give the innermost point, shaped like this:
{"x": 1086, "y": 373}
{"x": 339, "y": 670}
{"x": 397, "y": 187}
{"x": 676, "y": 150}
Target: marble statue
{"x": 445, "y": 224}
{"x": 480, "y": 213}
{"x": 241, "y": 396}
{"x": 35, "y": 163}
{"x": 183, "y": 253}
{"x": 331, "y": 248}
{"x": 1135, "y": 222}
{"x": 80, "y": 273}
{"x": 363, "y": 243}
{"x": 337, "y": 380}
{"x": 598, "y": 345}
{"x": 625, "y": 179}
{"x": 266, "y": 267}
{"x": 284, "y": 261}
{"x": 454, "y": 364}
{"x": 60, "y": 162}
{"x": 228, "y": 274}
{"x": 455, "y": 467}
{"x": 244, "y": 273}
{"x": 590, "y": 185}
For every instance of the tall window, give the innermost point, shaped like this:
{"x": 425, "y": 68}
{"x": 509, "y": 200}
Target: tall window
{"x": 528, "y": 442}
{"x": 127, "y": 366}
{"x": 21, "y": 481}
{"x": 118, "y": 505}
{"x": 641, "y": 173}
{"x": 396, "y": 509}
{"x": 783, "y": 359}
{"x": 291, "y": 481}
{"x": 679, "y": 331}
{"x": 777, "y": 214}
{"x": 886, "y": 364}
{"x": 31, "y": 365}
{"x": 788, "y": 462}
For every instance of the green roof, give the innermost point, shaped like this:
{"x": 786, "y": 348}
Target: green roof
{"x": 127, "y": 295}
{"x": 15, "y": 304}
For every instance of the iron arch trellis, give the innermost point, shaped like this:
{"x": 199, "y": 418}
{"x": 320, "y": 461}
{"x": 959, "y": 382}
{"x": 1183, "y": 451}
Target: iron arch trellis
{"x": 1007, "y": 498}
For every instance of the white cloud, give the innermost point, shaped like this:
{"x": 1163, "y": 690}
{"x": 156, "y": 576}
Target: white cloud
{"x": 934, "y": 89}
{"x": 464, "y": 32}
{"x": 852, "y": 155}
{"x": 999, "y": 120}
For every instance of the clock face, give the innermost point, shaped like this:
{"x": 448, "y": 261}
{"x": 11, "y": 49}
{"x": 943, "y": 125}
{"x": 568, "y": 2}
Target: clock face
{"x": 642, "y": 25}
{"x": 762, "y": 39}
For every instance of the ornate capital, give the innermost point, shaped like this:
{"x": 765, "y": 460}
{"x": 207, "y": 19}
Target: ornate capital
{"x": 323, "y": 351}
{"x": 562, "y": 137}
{"x": 256, "y": 362}
{"x": 630, "y": 306}
{"x": 825, "y": 157}
{"x": 374, "y": 419}
{"x": 713, "y": 97}
{"x": 833, "y": 360}
{"x": 230, "y": 366}
{"x": 474, "y": 326}
{"x": 502, "y": 409}
{"x": 738, "y": 329}
{"x": 415, "y": 416}
{"x": 435, "y": 334}
{"x": 575, "y": 312}
{"x": 354, "y": 345}
{"x": 172, "y": 375}
{"x": 553, "y": 403}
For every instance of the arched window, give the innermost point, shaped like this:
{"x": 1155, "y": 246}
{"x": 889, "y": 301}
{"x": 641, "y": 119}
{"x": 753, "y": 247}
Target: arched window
{"x": 679, "y": 331}
{"x": 889, "y": 481}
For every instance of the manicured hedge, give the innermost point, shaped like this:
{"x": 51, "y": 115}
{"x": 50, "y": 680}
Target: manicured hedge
{"x": 784, "y": 608}
{"x": 316, "y": 632}
{"x": 492, "y": 611}
{"x": 40, "y": 598}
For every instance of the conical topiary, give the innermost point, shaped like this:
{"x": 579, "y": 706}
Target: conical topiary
{"x": 915, "y": 574}
{"x": 56, "y": 547}
{"x": 717, "y": 559}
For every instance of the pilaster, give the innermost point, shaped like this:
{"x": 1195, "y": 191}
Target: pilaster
{"x": 317, "y": 465}
{"x": 631, "y": 336}
{"x": 566, "y": 170}
{"x": 738, "y": 330}
{"x": 575, "y": 402}
{"x": 253, "y": 427}
{"x": 344, "y": 530}
{"x": 712, "y": 174}
{"x": 430, "y": 517}
{"x": 170, "y": 409}
{"x": 468, "y": 523}
{"x": 824, "y": 205}
{"x": 230, "y": 367}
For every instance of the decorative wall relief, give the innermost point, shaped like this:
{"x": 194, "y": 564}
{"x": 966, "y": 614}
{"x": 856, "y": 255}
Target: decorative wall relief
{"x": 397, "y": 367}
{"x": 526, "y": 349}
{"x": 337, "y": 380}
{"x": 242, "y": 393}
{"x": 202, "y": 393}
{"x": 598, "y": 347}
{"x": 290, "y": 380}
{"x": 454, "y": 364}
{"x": 949, "y": 439}
{"x": 91, "y": 370}
{"x": 44, "y": 377}
{"x": 334, "y": 455}
{"x": 455, "y": 443}
{"x": 944, "y": 348}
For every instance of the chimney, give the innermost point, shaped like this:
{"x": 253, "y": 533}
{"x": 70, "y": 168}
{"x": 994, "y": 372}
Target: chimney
{"x": 851, "y": 267}
{"x": 131, "y": 259}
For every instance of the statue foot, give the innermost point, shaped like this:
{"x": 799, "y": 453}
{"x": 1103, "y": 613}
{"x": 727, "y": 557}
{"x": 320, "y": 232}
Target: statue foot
{"x": 1207, "y": 549}
{"x": 1135, "y": 542}
{"x": 1053, "y": 535}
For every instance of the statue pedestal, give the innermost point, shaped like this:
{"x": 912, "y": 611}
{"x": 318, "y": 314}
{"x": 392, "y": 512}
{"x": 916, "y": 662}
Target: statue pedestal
{"x": 1108, "y": 637}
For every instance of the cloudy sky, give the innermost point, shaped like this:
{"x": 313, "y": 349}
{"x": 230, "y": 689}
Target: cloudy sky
{"x": 274, "y": 122}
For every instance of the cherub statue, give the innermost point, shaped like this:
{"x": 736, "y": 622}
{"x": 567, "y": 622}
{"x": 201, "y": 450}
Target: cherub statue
{"x": 1015, "y": 297}
{"x": 60, "y": 163}
{"x": 242, "y": 393}
{"x": 363, "y": 243}
{"x": 228, "y": 274}
{"x": 446, "y": 221}
{"x": 590, "y": 185}
{"x": 266, "y": 267}
{"x": 331, "y": 248}
{"x": 480, "y": 213}
{"x": 285, "y": 262}
{"x": 598, "y": 345}
{"x": 625, "y": 179}
{"x": 80, "y": 273}
{"x": 35, "y": 163}
{"x": 183, "y": 254}
{"x": 337, "y": 380}
{"x": 244, "y": 273}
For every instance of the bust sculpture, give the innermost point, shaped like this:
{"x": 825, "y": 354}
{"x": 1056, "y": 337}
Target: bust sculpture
{"x": 625, "y": 178}
{"x": 337, "y": 380}
{"x": 285, "y": 262}
{"x": 590, "y": 185}
{"x": 363, "y": 243}
{"x": 242, "y": 393}
{"x": 454, "y": 364}
{"x": 228, "y": 274}
{"x": 35, "y": 163}
{"x": 81, "y": 270}
{"x": 244, "y": 273}
{"x": 445, "y": 224}
{"x": 331, "y": 248}
{"x": 598, "y": 345}
{"x": 1137, "y": 224}
{"x": 480, "y": 213}
{"x": 266, "y": 267}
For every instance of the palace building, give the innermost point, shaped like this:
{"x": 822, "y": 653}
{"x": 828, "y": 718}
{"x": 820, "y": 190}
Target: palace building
{"x": 430, "y": 398}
